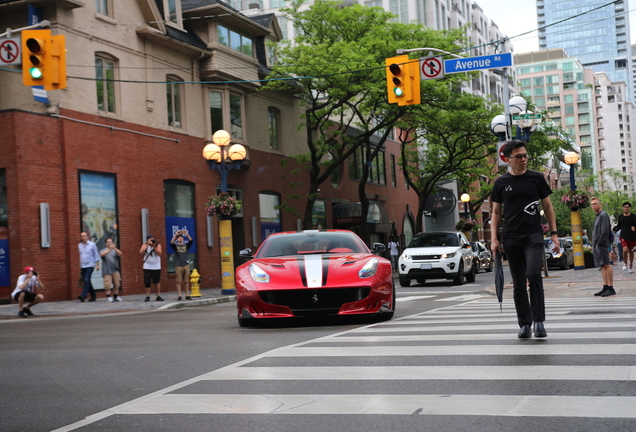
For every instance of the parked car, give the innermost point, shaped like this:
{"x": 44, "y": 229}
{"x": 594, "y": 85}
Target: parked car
{"x": 567, "y": 255}
{"x": 483, "y": 256}
{"x": 587, "y": 245}
{"x": 437, "y": 255}
{"x": 311, "y": 274}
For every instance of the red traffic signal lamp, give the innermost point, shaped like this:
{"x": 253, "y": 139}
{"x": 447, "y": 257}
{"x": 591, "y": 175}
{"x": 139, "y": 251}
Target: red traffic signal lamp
{"x": 43, "y": 59}
{"x": 403, "y": 80}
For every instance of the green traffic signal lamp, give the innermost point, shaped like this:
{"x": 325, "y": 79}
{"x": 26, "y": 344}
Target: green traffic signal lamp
{"x": 36, "y": 73}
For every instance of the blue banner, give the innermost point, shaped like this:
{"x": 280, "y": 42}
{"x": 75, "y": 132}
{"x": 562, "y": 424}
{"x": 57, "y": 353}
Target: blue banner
{"x": 4, "y": 263}
{"x": 174, "y": 224}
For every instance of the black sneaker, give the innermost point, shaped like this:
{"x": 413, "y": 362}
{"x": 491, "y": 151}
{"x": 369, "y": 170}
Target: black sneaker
{"x": 27, "y": 311}
{"x": 159, "y": 298}
{"x": 600, "y": 293}
{"x": 609, "y": 292}
{"x": 188, "y": 298}
{"x": 22, "y": 314}
{"x": 147, "y": 299}
{"x": 179, "y": 298}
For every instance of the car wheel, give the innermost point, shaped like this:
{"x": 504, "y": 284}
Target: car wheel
{"x": 564, "y": 262}
{"x": 489, "y": 268}
{"x": 405, "y": 281}
{"x": 245, "y": 322}
{"x": 470, "y": 277}
{"x": 387, "y": 316}
{"x": 459, "y": 279}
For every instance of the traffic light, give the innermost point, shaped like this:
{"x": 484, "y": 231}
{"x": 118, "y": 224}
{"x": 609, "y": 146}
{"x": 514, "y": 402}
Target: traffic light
{"x": 43, "y": 59}
{"x": 403, "y": 80}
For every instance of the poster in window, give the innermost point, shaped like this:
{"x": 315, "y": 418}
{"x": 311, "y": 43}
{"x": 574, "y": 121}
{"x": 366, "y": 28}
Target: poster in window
{"x": 98, "y": 201}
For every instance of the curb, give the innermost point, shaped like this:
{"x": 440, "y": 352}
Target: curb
{"x": 195, "y": 303}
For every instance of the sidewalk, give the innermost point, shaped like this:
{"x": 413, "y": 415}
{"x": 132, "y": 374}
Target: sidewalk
{"x": 131, "y": 303}
{"x": 573, "y": 283}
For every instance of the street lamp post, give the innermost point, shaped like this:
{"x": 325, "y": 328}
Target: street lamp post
{"x": 223, "y": 158}
{"x": 572, "y": 159}
{"x": 465, "y": 198}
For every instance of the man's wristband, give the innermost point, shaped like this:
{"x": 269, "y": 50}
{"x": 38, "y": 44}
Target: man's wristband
{"x": 554, "y": 232}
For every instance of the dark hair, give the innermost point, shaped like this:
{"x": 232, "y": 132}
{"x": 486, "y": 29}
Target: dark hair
{"x": 511, "y": 145}
{"x": 627, "y": 203}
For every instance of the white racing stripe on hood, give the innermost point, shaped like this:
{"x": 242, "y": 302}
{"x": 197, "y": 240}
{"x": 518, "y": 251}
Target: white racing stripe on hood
{"x": 313, "y": 270}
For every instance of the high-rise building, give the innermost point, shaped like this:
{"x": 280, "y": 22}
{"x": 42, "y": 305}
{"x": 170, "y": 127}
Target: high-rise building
{"x": 599, "y": 39}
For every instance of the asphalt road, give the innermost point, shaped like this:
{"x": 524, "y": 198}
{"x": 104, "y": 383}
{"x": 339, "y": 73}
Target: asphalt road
{"x": 194, "y": 369}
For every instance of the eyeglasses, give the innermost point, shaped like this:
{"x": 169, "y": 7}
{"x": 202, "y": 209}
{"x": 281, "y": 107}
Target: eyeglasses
{"x": 520, "y": 156}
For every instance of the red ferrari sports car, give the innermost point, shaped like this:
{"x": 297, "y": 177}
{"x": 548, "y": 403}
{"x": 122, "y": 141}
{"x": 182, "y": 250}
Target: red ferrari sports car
{"x": 314, "y": 273}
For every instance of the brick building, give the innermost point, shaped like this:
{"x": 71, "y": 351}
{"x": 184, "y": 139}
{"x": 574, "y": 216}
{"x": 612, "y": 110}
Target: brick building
{"x": 119, "y": 151}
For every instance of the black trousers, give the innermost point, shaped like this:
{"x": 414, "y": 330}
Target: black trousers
{"x": 525, "y": 260}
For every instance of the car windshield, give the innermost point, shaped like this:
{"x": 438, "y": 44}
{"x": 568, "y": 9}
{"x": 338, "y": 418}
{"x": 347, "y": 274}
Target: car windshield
{"x": 311, "y": 242}
{"x": 434, "y": 239}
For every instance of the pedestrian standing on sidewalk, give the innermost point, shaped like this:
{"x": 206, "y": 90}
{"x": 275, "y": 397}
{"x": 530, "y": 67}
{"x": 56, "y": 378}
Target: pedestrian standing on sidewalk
{"x": 627, "y": 224}
{"x": 110, "y": 270}
{"x": 25, "y": 291}
{"x": 181, "y": 263}
{"x": 602, "y": 247}
{"x": 394, "y": 252}
{"x": 151, "y": 251}
{"x": 89, "y": 261}
{"x": 515, "y": 197}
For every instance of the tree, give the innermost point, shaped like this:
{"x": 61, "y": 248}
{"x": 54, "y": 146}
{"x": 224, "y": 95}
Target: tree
{"x": 338, "y": 65}
{"x": 439, "y": 141}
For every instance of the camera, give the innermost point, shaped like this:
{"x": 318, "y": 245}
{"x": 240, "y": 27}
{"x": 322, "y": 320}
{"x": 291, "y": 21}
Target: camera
{"x": 153, "y": 241}
{"x": 34, "y": 273}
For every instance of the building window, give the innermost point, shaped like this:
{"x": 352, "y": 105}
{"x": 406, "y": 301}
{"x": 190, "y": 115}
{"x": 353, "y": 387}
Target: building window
{"x": 234, "y": 40}
{"x": 273, "y": 117}
{"x": 172, "y": 12}
{"x": 336, "y": 176}
{"x": 393, "y": 172}
{"x": 173, "y": 89}
{"x": 277, "y": 3}
{"x": 178, "y": 198}
{"x": 104, "y": 79}
{"x": 102, "y": 7}
{"x": 226, "y": 112}
{"x": 377, "y": 172}
{"x": 269, "y": 203}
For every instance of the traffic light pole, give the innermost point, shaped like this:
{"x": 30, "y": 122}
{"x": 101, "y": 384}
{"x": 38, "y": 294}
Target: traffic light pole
{"x": 9, "y": 32}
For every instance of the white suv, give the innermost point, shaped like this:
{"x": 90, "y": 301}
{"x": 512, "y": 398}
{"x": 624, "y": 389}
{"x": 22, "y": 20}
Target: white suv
{"x": 437, "y": 255}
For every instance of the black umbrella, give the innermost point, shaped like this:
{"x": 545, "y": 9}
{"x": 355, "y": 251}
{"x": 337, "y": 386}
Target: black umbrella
{"x": 499, "y": 279}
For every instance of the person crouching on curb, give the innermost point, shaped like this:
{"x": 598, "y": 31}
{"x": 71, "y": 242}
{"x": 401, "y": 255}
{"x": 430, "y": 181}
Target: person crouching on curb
{"x": 25, "y": 290}
{"x": 181, "y": 265}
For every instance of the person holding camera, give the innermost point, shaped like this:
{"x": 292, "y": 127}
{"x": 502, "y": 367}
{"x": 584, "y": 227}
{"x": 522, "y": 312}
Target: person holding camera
{"x": 181, "y": 263}
{"x": 151, "y": 251}
{"x": 110, "y": 270}
{"x": 25, "y": 290}
{"x": 89, "y": 261}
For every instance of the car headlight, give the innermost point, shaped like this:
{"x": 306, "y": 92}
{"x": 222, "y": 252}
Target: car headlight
{"x": 406, "y": 256}
{"x": 369, "y": 268}
{"x": 258, "y": 274}
{"x": 449, "y": 255}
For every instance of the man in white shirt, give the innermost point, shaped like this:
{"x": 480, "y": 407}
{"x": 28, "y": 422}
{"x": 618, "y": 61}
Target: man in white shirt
{"x": 25, "y": 290}
{"x": 89, "y": 261}
{"x": 151, "y": 251}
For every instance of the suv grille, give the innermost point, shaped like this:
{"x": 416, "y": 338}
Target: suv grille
{"x": 425, "y": 257}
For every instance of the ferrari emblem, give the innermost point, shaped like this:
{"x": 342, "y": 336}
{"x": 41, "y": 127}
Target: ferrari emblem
{"x": 314, "y": 298}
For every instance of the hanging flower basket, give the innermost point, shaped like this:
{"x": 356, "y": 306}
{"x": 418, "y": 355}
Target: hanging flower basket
{"x": 466, "y": 225}
{"x": 222, "y": 205}
{"x": 576, "y": 200}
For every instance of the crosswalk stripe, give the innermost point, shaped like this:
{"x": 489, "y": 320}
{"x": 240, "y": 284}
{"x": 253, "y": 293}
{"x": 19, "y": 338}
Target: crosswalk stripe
{"x": 333, "y": 404}
{"x": 577, "y": 373}
{"x": 490, "y": 327}
{"x": 469, "y": 337}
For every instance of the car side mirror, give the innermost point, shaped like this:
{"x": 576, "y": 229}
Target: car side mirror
{"x": 246, "y": 254}
{"x": 378, "y": 248}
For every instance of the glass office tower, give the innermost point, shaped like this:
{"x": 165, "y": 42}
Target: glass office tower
{"x": 599, "y": 39}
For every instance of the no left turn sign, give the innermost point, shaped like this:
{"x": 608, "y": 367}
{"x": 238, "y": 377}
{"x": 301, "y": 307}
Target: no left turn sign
{"x": 431, "y": 68}
{"x": 10, "y": 52}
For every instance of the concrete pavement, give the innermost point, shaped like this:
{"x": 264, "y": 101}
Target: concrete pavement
{"x": 130, "y": 303}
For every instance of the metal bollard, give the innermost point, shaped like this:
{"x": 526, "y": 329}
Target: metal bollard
{"x": 194, "y": 284}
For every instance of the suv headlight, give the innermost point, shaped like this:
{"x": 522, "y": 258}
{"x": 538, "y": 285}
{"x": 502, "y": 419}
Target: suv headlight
{"x": 258, "y": 274}
{"x": 406, "y": 256}
{"x": 449, "y": 255}
{"x": 369, "y": 268}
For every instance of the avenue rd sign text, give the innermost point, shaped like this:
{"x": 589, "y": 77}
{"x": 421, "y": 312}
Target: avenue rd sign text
{"x": 469, "y": 64}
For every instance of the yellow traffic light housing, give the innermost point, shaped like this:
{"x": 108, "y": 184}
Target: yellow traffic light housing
{"x": 403, "y": 80}
{"x": 43, "y": 59}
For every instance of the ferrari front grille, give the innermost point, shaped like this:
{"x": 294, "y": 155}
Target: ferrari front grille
{"x": 305, "y": 300}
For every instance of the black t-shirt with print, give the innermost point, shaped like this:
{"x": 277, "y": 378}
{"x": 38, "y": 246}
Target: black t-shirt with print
{"x": 625, "y": 224}
{"x": 520, "y": 197}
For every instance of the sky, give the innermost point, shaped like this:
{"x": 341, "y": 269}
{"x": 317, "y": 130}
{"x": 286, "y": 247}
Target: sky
{"x": 514, "y": 17}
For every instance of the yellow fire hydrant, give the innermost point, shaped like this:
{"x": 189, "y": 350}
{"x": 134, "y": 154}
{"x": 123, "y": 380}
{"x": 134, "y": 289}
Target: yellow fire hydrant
{"x": 194, "y": 284}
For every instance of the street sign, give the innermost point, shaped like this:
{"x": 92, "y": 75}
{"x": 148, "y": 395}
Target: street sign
{"x": 431, "y": 68}
{"x": 526, "y": 119}
{"x": 469, "y": 64}
{"x": 10, "y": 52}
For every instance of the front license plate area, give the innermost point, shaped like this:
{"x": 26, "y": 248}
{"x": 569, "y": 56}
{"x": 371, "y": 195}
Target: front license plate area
{"x": 426, "y": 266}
